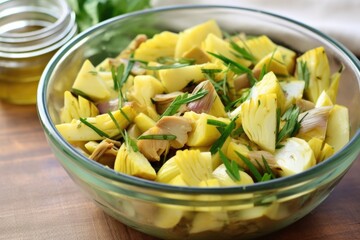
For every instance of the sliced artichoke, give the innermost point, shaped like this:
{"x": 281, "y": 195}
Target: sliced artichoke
{"x": 293, "y": 91}
{"x": 194, "y": 166}
{"x": 133, "y": 163}
{"x": 208, "y": 221}
{"x": 314, "y": 123}
{"x": 313, "y": 67}
{"x": 78, "y": 131}
{"x": 210, "y": 103}
{"x": 202, "y": 134}
{"x": 273, "y": 62}
{"x": 76, "y": 107}
{"x": 324, "y": 100}
{"x": 295, "y": 156}
{"x": 220, "y": 173}
{"x": 259, "y": 46}
{"x": 197, "y": 54}
{"x": 194, "y": 36}
{"x": 144, "y": 122}
{"x": 89, "y": 83}
{"x": 338, "y": 129}
{"x": 160, "y": 45}
{"x": 168, "y": 171}
{"x": 258, "y": 117}
{"x": 176, "y": 79}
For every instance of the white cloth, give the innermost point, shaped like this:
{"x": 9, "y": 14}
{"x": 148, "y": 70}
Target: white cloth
{"x": 339, "y": 19}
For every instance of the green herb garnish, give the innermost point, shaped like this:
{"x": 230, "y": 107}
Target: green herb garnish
{"x": 97, "y": 130}
{"x": 171, "y": 61}
{"x": 232, "y": 168}
{"x": 241, "y": 52}
{"x": 183, "y": 99}
{"x": 172, "y": 66}
{"x": 251, "y": 166}
{"x": 303, "y": 72}
{"x": 224, "y": 135}
{"x": 158, "y": 137}
{"x": 292, "y": 124}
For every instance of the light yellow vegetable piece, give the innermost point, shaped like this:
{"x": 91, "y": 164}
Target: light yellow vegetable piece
{"x": 168, "y": 171}
{"x": 240, "y": 148}
{"x": 215, "y": 44}
{"x": 146, "y": 87}
{"x": 318, "y": 66}
{"x": 133, "y": 163}
{"x": 90, "y": 83}
{"x": 273, "y": 62}
{"x": 269, "y": 84}
{"x": 258, "y": 117}
{"x": 277, "y": 211}
{"x": 176, "y": 79}
{"x": 194, "y": 36}
{"x": 221, "y": 174}
{"x": 78, "y": 131}
{"x": 338, "y": 128}
{"x": 314, "y": 123}
{"x": 76, "y": 107}
{"x": 167, "y": 216}
{"x": 197, "y": 54}
{"x": 160, "y": 45}
{"x": 324, "y": 100}
{"x": 144, "y": 122}
{"x": 332, "y": 91}
{"x": 293, "y": 91}
{"x": 208, "y": 221}
{"x": 294, "y": 157}
{"x": 321, "y": 149}
{"x": 259, "y": 47}
{"x": 202, "y": 134}
{"x": 194, "y": 166}
{"x": 289, "y": 57}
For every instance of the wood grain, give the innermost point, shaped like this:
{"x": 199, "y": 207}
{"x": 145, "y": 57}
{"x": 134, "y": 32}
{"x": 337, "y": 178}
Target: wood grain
{"x": 39, "y": 201}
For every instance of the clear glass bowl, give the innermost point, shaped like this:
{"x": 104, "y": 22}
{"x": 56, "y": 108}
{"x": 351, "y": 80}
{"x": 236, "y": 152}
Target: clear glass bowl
{"x": 172, "y": 212}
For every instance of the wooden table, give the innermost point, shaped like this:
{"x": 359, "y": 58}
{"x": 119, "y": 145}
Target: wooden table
{"x": 39, "y": 201}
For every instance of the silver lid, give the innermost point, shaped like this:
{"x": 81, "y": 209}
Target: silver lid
{"x": 31, "y": 28}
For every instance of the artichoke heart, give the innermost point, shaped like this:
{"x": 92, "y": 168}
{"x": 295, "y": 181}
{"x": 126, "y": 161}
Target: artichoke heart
{"x": 133, "y": 163}
{"x": 316, "y": 63}
{"x": 168, "y": 171}
{"x": 294, "y": 157}
{"x": 176, "y": 79}
{"x": 194, "y": 36}
{"x": 160, "y": 45}
{"x": 258, "y": 117}
{"x": 220, "y": 173}
{"x": 273, "y": 62}
{"x": 270, "y": 84}
{"x": 89, "y": 83}
{"x": 76, "y": 107}
{"x": 144, "y": 89}
{"x": 202, "y": 133}
{"x": 259, "y": 46}
{"x": 78, "y": 131}
{"x": 194, "y": 166}
{"x": 338, "y": 129}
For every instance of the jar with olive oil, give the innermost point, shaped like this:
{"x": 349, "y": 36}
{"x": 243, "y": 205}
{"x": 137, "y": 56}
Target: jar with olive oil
{"x": 31, "y": 31}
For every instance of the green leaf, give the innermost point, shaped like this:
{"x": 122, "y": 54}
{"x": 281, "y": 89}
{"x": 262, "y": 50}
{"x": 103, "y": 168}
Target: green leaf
{"x": 97, "y": 130}
{"x": 291, "y": 126}
{"x": 158, "y": 137}
{"x": 251, "y": 166}
{"x": 232, "y": 168}
{"x": 303, "y": 72}
{"x": 183, "y": 99}
{"x": 224, "y": 135}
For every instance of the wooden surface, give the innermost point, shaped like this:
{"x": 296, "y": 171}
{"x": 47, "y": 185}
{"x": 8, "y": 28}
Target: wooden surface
{"x": 39, "y": 201}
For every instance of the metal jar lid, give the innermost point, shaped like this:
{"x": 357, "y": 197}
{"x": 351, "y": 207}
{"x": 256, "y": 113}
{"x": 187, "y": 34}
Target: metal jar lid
{"x": 30, "y": 28}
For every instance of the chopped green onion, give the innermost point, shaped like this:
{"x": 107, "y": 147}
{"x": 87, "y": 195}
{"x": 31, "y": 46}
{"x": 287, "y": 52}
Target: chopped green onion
{"x": 292, "y": 124}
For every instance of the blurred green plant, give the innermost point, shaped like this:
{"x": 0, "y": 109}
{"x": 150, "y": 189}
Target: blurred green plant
{"x": 91, "y": 12}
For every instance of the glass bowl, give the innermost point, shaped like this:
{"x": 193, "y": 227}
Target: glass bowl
{"x": 172, "y": 212}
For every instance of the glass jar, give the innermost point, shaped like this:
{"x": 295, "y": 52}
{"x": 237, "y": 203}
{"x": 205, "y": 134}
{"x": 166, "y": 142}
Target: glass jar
{"x": 31, "y": 31}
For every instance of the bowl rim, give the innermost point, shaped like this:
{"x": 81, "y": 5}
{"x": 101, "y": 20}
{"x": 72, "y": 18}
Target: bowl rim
{"x": 110, "y": 174}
